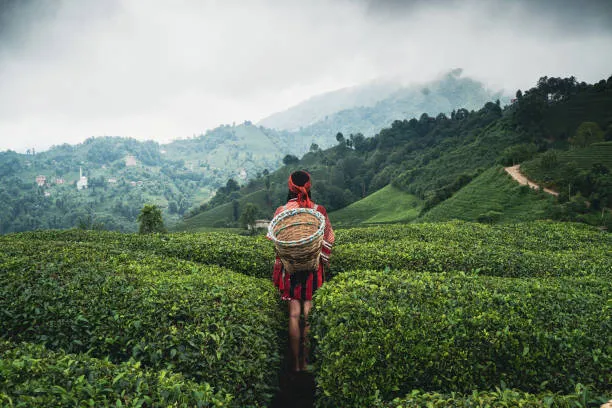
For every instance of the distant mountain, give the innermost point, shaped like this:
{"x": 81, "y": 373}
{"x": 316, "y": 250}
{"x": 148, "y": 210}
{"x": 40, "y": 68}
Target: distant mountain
{"x": 368, "y": 108}
{"x": 318, "y": 107}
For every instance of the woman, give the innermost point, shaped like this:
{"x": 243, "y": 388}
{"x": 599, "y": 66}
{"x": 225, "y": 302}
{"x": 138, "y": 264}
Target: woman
{"x": 297, "y": 289}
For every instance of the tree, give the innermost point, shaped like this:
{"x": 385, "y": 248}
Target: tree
{"x": 339, "y": 137}
{"x": 231, "y": 185}
{"x": 248, "y": 216}
{"x": 290, "y": 159}
{"x": 519, "y": 95}
{"x": 587, "y": 134}
{"x": 235, "y": 209}
{"x": 150, "y": 219}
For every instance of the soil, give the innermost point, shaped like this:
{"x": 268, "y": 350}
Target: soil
{"x": 515, "y": 172}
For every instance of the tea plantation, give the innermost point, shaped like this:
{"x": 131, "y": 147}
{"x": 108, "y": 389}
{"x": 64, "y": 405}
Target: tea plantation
{"x": 449, "y": 314}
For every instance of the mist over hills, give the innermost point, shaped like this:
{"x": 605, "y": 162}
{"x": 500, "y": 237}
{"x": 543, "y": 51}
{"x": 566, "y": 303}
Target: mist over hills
{"x": 318, "y": 107}
{"x": 368, "y": 108}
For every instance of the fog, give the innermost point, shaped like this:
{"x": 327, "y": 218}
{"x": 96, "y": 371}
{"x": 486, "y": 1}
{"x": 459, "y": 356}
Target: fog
{"x": 154, "y": 69}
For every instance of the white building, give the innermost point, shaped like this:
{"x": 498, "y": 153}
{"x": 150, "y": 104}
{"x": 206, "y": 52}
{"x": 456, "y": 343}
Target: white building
{"x": 82, "y": 183}
{"x": 260, "y": 224}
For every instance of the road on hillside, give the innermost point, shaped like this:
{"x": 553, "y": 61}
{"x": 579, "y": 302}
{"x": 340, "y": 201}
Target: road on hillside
{"x": 515, "y": 172}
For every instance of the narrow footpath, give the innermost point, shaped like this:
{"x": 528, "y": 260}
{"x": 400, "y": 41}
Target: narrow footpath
{"x": 296, "y": 389}
{"x": 515, "y": 172}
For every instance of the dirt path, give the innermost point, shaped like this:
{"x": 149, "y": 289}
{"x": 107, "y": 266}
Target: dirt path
{"x": 515, "y": 172}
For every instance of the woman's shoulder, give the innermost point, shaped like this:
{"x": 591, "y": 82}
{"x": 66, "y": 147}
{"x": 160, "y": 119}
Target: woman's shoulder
{"x": 321, "y": 209}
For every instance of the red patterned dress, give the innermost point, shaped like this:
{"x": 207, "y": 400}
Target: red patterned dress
{"x": 299, "y": 286}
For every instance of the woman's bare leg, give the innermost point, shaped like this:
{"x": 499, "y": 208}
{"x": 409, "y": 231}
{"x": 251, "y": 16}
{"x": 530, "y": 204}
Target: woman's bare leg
{"x": 307, "y": 307}
{"x": 294, "y": 331}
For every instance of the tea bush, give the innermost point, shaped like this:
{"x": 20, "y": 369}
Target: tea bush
{"x": 514, "y": 250}
{"x": 206, "y": 322}
{"x": 519, "y": 250}
{"x": 32, "y": 376}
{"x": 535, "y": 236}
{"x": 386, "y": 333}
{"x": 581, "y": 397}
{"x": 247, "y": 255}
{"x": 478, "y": 257}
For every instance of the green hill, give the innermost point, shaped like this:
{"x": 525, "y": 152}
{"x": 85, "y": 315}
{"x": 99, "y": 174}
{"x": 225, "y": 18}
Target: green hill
{"x": 493, "y": 197}
{"x": 387, "y": 205}
{"x": 434, "y": 158}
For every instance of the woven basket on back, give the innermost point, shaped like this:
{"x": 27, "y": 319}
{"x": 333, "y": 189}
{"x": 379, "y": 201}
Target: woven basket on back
{"x": 298, "y": 235}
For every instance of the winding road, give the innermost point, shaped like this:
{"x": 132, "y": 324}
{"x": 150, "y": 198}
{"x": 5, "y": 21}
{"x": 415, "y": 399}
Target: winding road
{"x": 515, "y": 172}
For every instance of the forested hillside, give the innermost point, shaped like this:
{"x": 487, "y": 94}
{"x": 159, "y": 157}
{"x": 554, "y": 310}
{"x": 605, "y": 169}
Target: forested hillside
{"x": 432, "y": 158}
{"x": 39, "y": 190}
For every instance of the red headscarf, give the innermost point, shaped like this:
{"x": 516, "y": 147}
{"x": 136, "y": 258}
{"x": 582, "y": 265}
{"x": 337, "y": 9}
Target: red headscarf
{"x": 301, "y": 191}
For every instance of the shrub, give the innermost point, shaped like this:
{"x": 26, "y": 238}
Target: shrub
{"x": 253, "y": 257}
{"x": 581, "y": 397}
{"x": 385, "y": 333}
{"x": 205, "y": 322}
{"x": 522, "y": 250}
{"x": 31, "y": 375}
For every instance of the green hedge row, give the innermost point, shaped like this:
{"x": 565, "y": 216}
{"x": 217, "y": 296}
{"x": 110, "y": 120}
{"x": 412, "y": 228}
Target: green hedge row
{"x": 247, "y": 255}
{"x": 387, "y": 333}
{"x": 206, "y": 322}
{"x": 521, "y": 250}
{"x": 581, "y": 398}
{"x": 479, "y": 257}
{"x": 33, "y": 376}
{"x": 533, "y": 236}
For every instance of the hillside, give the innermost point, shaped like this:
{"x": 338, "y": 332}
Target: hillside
{"x": 443, "y": 96}
{"x": 493, "y": 197}
{"x": 387, "y": 205}
{"x": 368, "y": 116}
{"x": 434, "y": 158}
{"x": 123, "y": 174}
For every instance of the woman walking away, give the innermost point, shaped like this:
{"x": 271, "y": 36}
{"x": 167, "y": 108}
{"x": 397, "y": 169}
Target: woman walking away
{"x": 297, "y": 288}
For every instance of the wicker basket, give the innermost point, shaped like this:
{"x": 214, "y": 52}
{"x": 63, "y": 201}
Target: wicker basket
{"x": 298, "y": 235}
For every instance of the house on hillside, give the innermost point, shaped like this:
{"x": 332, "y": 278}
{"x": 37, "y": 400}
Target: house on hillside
{"x": 41, "y": 180}
{"x": 261, "y": 224}
{"x": 59, "y": 180}
{"x": 112, "y": 180}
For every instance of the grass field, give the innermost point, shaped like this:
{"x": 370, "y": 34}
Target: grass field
{"x": 492, "y": 197}
{"x": 387, "y": 205}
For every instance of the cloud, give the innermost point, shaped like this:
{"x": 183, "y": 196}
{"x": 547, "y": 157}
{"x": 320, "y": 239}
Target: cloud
{"x": 73, "y": 69}
{"x": 559, "y": 17}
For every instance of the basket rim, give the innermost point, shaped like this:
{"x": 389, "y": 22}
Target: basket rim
{"x": 292, "y": 211}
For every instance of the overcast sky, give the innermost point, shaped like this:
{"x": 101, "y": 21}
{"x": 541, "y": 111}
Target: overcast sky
{"x": 162, "y": 70}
